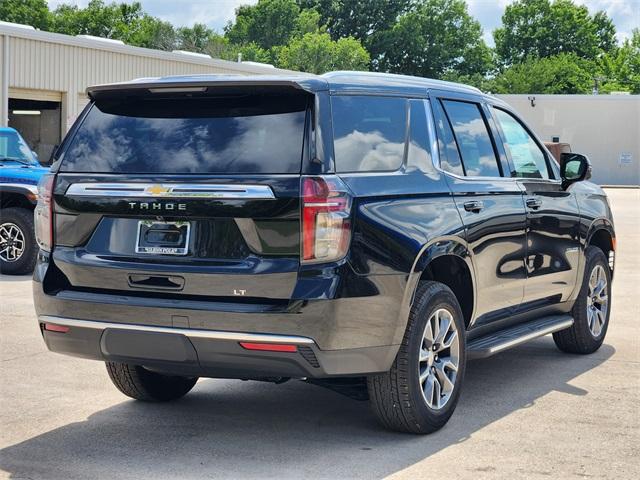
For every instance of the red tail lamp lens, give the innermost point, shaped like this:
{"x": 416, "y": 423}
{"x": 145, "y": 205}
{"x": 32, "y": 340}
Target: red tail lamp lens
{"x": 269, "y": 347}
{"x": 326, "y": 227}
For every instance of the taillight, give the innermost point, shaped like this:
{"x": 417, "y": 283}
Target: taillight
{"x": 43, "y": 214}
{"x": 326, "y": 228}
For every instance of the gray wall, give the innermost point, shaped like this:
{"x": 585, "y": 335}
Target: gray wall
{"x": 606, "y": 128}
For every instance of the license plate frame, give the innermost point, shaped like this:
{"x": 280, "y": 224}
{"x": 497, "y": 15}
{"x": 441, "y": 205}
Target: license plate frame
{"x": 167, "y": 248}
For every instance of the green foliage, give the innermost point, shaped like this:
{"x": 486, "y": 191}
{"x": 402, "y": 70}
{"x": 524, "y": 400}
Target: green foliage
{"x": 26, "y": 12}
{"x": 357, "y": 18}
{"x": 267, "y": 24}
{"x": 563, "y": 73}
{"x": 317, "y": 53}
{"x": 620, "y": 70}
{"x": 437, "y": 38}
{"x": 543, "y": 46}
{"x": 542, "y": 28}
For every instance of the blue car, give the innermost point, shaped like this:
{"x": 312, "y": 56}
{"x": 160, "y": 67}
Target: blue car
{"x": 20, "y": 173}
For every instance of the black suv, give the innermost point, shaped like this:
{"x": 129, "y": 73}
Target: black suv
{"x": 365, "y": 232}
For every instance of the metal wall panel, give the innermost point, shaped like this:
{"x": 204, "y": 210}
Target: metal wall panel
{"x": 606, "y": 128}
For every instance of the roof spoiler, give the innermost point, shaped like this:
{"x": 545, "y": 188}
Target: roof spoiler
{"x": 147, "y": 86}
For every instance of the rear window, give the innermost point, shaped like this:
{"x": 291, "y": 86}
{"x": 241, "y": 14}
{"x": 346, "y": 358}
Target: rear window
{"x": 369, "y": 132}
{"x": 249, "y": 134}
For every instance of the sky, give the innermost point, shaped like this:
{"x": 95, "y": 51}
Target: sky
{"x": 216, "y": 13}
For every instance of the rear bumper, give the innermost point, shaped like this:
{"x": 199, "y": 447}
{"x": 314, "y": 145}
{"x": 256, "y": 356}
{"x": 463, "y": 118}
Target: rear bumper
{"x": 207, "y": 353}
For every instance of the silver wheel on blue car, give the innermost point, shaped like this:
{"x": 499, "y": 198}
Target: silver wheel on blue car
{"x": 18, "y": 248}
{"x": 439, "y": 359}
{"x": 11, "y": 242}
{"x": 597, "y": 300}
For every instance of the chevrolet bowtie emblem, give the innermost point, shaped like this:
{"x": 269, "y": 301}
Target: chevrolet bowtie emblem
{"x": 157, "y": 190}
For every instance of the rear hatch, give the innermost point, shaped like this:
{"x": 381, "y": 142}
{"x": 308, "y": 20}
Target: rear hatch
{"x": 188, "y": 193}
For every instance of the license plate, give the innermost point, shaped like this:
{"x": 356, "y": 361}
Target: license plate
{"x": 163, "y": 238}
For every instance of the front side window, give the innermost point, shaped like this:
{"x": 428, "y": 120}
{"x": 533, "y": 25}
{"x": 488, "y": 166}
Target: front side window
{"x": 472, "y": 136}
{"x": 369, "y": 132}
{"x": 527, "y": 158}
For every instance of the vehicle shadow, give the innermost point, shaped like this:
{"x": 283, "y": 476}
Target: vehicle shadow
{"x": 232, "y": 429}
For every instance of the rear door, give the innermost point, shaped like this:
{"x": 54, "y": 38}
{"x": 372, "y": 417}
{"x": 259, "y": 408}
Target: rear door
{"x": 184, "y": 195}
{"x": 491, "y": 206}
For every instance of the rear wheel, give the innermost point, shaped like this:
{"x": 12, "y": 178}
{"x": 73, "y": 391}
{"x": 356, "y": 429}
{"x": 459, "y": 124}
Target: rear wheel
{"x": 592, "y": 308}
{"x": 18, "y": 249}
{"x": 420, "y": 392}
{"x": 137, "y": 382}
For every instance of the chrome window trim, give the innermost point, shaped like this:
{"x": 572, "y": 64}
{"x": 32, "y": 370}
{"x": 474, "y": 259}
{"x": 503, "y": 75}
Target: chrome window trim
{"x": 193, "y": 333}
{"x": 171, "y": 190}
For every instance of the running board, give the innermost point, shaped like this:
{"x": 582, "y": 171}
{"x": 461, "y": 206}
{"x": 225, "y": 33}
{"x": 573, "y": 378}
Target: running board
{"x": 505, "y": 339}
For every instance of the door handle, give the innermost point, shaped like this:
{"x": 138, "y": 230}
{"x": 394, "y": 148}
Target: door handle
{"x": 534, "y": 203}
{"x": 473, "y": 206}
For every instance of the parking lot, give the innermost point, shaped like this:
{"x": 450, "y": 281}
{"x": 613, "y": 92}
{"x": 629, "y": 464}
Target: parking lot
{"x": 531, "y": 412}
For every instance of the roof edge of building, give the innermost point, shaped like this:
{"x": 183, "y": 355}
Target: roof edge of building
{"x": 84, "y": 42}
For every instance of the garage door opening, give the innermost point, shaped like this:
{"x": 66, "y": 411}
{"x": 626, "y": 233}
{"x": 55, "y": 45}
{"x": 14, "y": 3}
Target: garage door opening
{"x": 39, "y": 122}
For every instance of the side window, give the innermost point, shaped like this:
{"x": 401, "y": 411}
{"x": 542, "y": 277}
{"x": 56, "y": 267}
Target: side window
{"x": 474, "y": 142}
{"x": 369, "y": 132}
{"x": 449, "y": 156}
{"x": 419, "y": 151}
{"x": 528, "y": 160}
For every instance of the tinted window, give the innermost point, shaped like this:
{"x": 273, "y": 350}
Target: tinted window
{"x": 449, "y": 156}
{"x": 419, "y": 152}
{"x": 369, "y": 132}
{"x": 527, "y": 158}
{"x": 473, "y": 139}
{"x": 239, "y": 134}
{"x": 13, "y": 147}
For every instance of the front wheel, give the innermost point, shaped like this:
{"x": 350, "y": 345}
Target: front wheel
{"x": 592, "y": 308}
{"x": 18, "y": 248}
{"x": 420, "y": 392}
{"x": 137, "y": 382}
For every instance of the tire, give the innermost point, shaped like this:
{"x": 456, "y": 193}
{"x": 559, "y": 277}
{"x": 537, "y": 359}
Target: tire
{"x": 16, "y": 225}
{"x": 141, "y": 384}
{"x": 580, "y": 338}
{"x": 397, "y": 397}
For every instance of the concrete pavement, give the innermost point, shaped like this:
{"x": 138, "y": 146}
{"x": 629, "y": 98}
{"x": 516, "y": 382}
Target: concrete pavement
{"x": 532, "y": 412}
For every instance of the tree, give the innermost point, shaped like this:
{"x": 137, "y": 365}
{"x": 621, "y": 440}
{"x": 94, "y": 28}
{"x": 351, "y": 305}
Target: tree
{"x": 317, "y": 53}
{"x": 542, "y": 28}
{"x": 357, "y": 18}
{"x": 438, "y": 38}
{"x": 153, "y": 33}
{"x": 27, "y": 12}
{"x": 267, "y": 24}
{"x": 194, "y": 39}
{"x": 620, "y": 69}
{"x": 565, "y": 73}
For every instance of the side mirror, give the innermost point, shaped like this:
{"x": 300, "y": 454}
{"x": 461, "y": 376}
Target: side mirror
{"x": 574, "y": 167}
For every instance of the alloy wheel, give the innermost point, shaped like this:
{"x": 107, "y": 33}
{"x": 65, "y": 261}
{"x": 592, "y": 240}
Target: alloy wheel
{"x": 11, "y": 242}
{"x": 597, "y": 300}
{"x": 439, "y": 359}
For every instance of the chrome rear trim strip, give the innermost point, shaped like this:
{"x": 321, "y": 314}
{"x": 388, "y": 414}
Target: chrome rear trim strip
{"x": 192, "y": 333}
{"x": 171, "y": 190}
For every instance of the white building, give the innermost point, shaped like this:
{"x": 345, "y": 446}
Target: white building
{"x": 43, "y": 77}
